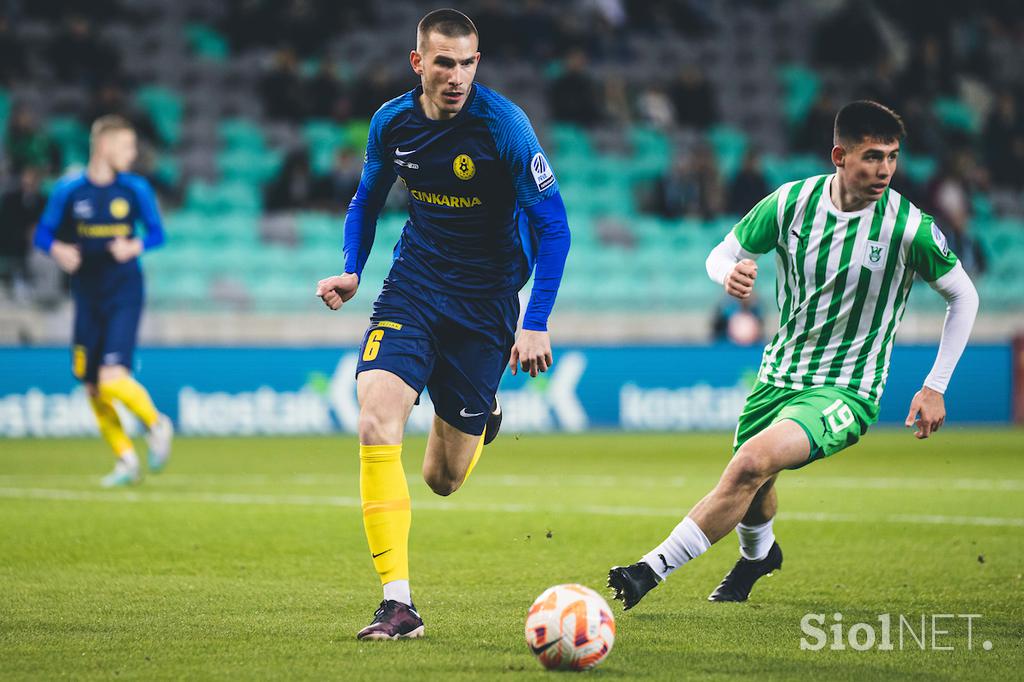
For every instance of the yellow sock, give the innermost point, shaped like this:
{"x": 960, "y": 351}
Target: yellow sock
{"x": 476, "y": 456}
{"x": 110, "y": 425}
{"x": 133, "y": 396}
{"x": 387, "y": 514}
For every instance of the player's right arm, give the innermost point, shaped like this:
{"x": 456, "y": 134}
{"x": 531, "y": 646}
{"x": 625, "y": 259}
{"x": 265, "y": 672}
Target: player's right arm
{"x": 68, "y": 256}
{"x": 732, "y": 263}
{"x": 361, "y": 220}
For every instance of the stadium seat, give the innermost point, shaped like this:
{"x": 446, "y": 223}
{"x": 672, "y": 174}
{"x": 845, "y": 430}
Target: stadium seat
{"x": 801, "y": 86}
{"x": 237, "y": 133}
{"x": 165, "y": 107}
{"x": 206, "y": 42}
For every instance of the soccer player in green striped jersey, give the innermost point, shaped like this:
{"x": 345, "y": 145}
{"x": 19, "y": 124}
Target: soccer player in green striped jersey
{"x": 848, "y": 248}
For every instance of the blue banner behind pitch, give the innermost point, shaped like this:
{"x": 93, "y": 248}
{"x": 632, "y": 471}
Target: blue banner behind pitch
{"x": 250, "y": 391}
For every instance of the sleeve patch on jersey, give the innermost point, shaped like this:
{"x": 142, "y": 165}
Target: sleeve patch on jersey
{"x": 542, "y": 174}
{"x": 940, "y": 240}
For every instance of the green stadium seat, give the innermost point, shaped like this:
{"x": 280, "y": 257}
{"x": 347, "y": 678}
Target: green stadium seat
{"x": 5, "y": 108}
{"x": 238, "y": 133}
{"x": 955, "y": 114}
{"x": 801, "y": 86}
{"x": 165, "y": 107}
{"x": 71, "y": 137}
{"x": 248, "y": 165}
{"x": 729, "y": 144}
{"x": 207, "y": 42}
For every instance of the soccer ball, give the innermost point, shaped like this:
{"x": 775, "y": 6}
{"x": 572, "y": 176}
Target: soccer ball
{"x": 570, "y": 627}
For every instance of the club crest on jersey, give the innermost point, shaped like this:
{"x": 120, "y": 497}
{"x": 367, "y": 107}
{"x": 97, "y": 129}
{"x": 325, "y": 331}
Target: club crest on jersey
{"x": 940, "y": 240}
{"x": 542, "y": 174}
{"x": 83, "y": 209}
{"x": 874, "y": 255}
{"x": 119, "y": 208}
{"x": 464, "y": 167}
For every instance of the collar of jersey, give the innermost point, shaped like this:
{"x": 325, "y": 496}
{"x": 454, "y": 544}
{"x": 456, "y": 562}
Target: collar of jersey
{"x": 418, "y": 109}
{"x": 826, "y": 196}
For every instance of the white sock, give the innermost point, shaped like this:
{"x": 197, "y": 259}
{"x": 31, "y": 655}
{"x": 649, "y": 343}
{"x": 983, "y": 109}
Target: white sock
{"x": 686, "y": 542}
{"x": 128, "y": 461}
{"x": 398, "y": 590}
{"x": 755, "y": 541}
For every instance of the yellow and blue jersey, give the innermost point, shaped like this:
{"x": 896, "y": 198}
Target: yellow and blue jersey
{"x": 89, "y": 215}
{"x": 484, "y": 205}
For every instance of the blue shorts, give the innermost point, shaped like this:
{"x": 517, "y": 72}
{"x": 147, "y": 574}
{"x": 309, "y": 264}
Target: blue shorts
{"x": 105, "y": 333}
{"x": 456, "y": 347}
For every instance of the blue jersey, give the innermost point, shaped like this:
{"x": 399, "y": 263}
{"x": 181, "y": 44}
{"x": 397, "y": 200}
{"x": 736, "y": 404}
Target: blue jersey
{"x": 89, "y": 215}
{"x": 484, "y": 205}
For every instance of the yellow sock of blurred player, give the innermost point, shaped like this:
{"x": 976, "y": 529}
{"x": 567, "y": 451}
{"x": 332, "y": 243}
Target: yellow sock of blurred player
{"x": 110, "y": 425}
{"x": 133, "y": 396}
{"x": 476, "y": 456}
{"x": 387, "y": 514}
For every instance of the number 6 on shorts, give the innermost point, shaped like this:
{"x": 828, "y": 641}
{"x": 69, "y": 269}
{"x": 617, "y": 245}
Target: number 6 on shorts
{"x": 372, "y": 345}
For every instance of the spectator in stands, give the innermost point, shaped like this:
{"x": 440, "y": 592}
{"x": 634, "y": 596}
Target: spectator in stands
{"x": 79, "y": 57}
{"x": 338, "y": 186}
{"x": 693, "y": 98}
{"x": 654, "y": 107}
{"x": 26, "y": 145}
{"x": 930, "y": 72}
{"x": 738, "y": 321}
{"x": 12, "y": 54}
{"x": 293, "y": 188}
{"x": 1004, "y": 141}
{"x": 692, "y": 188}
{"x": 816, "y": 131}
{"x": 375, "y": 87}
{"x": 324, "y": 91}
{"x": 20, "y": 208}
{"x": 304, "y": 26}
{"x": 949, "y": 198}
{"x": 749, "y": 186}
{"x": 574, "y": 95}
{"x": 110, "y": 98}
{"x": 282, "y": 90}
{"x": 836, "y": 29}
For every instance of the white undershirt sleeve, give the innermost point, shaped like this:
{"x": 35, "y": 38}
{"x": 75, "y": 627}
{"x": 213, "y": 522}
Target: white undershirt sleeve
{"x": 724, "y": 257}
{"x": 962, "y": 299}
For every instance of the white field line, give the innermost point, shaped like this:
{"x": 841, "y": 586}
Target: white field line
{"x": 129, "y": 496}
{"x": 561, "y": 481}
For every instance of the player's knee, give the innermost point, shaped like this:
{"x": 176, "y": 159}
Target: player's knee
{"x": 751, "y": 467}
{"x": 442, "y": 483}
{"x": 377, "y": 429}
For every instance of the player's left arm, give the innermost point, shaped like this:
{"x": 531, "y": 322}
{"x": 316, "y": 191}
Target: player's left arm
{"x": 124, "y": 249}
{"x": 931, "y": 258}
{"x": 532, "y": 350}
{"x": 536, "y": 191}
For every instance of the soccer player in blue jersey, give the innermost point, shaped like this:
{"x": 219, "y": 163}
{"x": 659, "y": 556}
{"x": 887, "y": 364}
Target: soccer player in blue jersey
{"x": 89, "y": 227}
{"x": 484, "y": 213}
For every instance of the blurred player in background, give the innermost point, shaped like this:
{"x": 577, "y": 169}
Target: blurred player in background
{"x": 89, "y": 228}
{"x": 484, "y": 209}
{"x": 848, "y": 248}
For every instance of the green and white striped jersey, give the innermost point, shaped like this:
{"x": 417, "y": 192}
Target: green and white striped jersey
{"x": 843, "y": 282}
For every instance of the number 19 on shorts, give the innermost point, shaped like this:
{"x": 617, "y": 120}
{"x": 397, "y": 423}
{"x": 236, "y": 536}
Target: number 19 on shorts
{"x": 372, "y": 346}
{"x": 838, "y": 415}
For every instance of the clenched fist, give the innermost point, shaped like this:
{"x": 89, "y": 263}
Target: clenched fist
{"x": 337, "y": 290}
{"x": 740, "y": 282}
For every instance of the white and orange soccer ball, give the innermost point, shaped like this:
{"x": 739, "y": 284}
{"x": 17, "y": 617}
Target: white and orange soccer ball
{"x": 570, "y": 627}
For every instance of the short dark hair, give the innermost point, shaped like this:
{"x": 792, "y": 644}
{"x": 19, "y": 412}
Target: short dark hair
{"x": 450, "y": 23}
{"x": 868, "y": 119}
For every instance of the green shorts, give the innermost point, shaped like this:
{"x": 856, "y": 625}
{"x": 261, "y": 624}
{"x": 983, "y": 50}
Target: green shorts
{"x": 833, "y": 418}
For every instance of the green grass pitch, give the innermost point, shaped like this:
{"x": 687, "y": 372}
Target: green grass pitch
{"x": 246, "y": 560}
